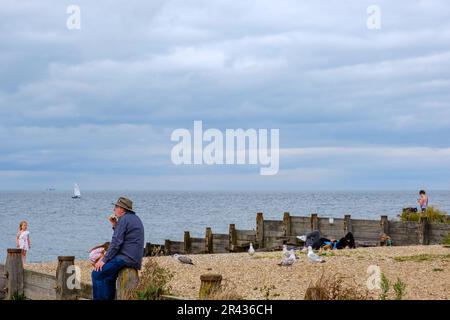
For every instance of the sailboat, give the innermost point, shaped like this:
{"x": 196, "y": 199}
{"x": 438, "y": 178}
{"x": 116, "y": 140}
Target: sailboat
{"x": 76, "y": 192}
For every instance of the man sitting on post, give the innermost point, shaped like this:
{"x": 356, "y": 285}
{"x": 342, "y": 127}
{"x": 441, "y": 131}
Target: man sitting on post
{"x": 126, "y": 250}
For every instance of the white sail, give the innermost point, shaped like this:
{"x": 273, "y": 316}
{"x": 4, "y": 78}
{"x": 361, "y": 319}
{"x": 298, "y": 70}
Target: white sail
{"x": 76, "y": 191}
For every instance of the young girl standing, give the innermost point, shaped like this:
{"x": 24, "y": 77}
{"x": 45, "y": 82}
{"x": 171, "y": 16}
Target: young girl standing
{"x": 423, "y": 200}
{"x": 23, "y": 239}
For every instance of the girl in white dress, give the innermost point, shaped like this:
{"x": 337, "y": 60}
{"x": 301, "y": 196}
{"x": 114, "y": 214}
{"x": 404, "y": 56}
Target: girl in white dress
{"x": 23, "y": 239}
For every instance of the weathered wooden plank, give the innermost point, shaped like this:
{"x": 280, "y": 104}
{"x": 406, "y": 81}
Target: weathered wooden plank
{"x": 39, "y": 286}
{"x": 437, "y": 232}
{"x": 43, "y": 280}
{"x": 440, "y": 226}
{"x": 366, "y": 222}
{"x": 243, "y": 243}
{"x": 198, "y": 245}
{"x": 300, "y": 228}
{"x": 273, "y": 225}
{"x": 245, "y": 233}
{"x": 334, "y": 230}
{"x": 324, "y": 221}
{"x": 272, "y": 234}
{"x": 221, "y": 236}
{"x": 220, "y": 243}
{"x": 2, "y": 281}
{"x": 176, "y": 246}
{"x": 33, "y": 292}
{"x": 273, "y": 242}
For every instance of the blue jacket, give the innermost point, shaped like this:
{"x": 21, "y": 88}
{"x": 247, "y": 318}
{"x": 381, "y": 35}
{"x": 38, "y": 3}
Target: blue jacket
{"x": 127, "y": 241}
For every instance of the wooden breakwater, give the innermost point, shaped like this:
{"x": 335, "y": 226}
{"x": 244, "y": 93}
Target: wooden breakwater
{"x": 273, "y": 234}
{"x": 18, "y": 283}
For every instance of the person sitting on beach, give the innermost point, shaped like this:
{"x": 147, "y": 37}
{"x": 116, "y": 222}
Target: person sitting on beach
{"x": 317, "y": 242}
{"x": 23, "y": 240}
{"x": 125, "y": 250}
{"x": 423, "y": 200}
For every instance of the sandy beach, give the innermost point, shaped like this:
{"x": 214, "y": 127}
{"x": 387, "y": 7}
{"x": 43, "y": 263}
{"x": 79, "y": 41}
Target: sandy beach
{"x": 424, "y": 269}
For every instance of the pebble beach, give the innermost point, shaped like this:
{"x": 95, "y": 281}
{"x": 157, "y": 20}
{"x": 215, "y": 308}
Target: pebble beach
{"x": 424, "y": 269}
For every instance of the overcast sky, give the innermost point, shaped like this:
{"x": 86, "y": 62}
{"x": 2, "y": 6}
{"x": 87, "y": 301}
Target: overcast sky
{"x": 357, "y": 108}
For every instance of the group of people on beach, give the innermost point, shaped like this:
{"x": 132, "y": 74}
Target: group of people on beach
{"x": 126, "y": 248}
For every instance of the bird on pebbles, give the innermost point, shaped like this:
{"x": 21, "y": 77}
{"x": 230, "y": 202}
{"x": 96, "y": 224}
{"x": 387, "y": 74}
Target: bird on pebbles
{"x": 288, "y": 261}
{"x": 183, "y": 259}
{"x": 314, "y": 257}
{"x": 251, "y": 251}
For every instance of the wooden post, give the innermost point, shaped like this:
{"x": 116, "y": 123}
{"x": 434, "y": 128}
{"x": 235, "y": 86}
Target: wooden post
{"x": 347, "y": 224}
{"x": 187, "y": 242}
{"x": 127, "y": 281}
{"x": 233, "y": 237}
{"x": 384, "y": 230}
{"x": 287, "y": 224}
{"x": 2, "y": 283}
{"x": 424, "y": 238}
{"x": 167, "y": 247}
{"x": 148, "y": 249}
{"x": 68, "y": 282}
{"x": 384, "y": 225}
{"x": 14, "y": 274}
{"x": 260, "y": 229}
{"x": 314, "y": 222}
{"x": 210, "y": 283}
{"x": 209, "y": 240}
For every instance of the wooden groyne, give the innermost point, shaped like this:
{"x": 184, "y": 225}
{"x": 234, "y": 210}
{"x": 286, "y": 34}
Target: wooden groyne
{"x": 19, "y": 283}
{"x": 273, "y": 234}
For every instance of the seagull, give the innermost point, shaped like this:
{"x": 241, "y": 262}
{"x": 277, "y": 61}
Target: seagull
{"x": 288, "y": 261}
{"x": 183, "y": 259}
{"x": 314, "y": 257}
{"x": 251, "y": 251}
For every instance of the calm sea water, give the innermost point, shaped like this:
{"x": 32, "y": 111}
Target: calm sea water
{"x": 60, "y": 225}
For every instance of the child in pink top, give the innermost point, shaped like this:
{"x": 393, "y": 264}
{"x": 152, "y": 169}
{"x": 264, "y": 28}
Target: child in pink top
{"x": 423, "y": 200}
{"x": 23, "y": 240}
{"x": 97, "y": 253}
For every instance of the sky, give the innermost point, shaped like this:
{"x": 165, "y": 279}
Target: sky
{"x": 357, "y": 108}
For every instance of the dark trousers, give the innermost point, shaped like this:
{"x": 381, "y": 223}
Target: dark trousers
{"x": 104, "y": 281}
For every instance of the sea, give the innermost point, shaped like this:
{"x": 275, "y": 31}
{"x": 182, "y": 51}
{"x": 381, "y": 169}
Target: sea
{"x": 62, "y": 226}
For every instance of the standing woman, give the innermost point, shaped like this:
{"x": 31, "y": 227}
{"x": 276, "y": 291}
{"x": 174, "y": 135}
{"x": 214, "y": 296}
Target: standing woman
{"x": 423, "y": 200}
{"x": 23, "y": 239}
